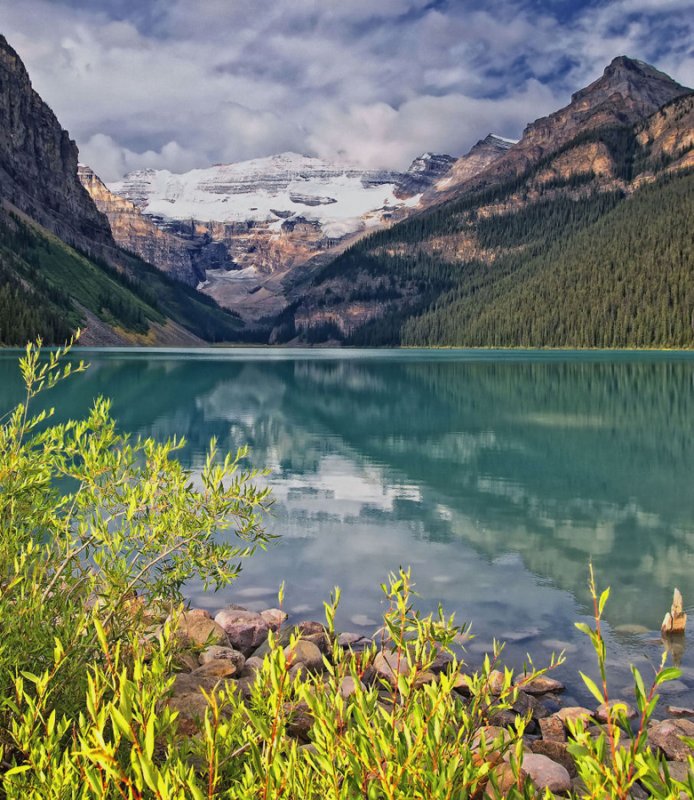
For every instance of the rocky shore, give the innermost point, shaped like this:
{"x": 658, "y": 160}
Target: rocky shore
{"x": 227, "y": 651}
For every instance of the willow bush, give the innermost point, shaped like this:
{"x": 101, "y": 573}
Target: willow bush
{"x": 98, "y": 534}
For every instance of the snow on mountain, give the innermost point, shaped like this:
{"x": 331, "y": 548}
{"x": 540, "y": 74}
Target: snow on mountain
{"x": 340, "y": 198}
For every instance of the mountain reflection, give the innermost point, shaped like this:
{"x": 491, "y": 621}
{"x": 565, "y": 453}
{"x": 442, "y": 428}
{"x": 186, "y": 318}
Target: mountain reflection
{"x": 551, "y": 460}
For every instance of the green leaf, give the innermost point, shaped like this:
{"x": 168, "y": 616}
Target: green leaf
{"x": 592, "y": 688}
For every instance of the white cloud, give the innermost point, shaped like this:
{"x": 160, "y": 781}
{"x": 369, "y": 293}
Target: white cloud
{"x": 180, "y": 84}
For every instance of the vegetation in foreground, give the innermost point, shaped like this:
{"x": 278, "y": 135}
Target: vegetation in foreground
{"x": 99, "y": 532}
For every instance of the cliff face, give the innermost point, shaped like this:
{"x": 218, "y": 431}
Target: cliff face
{"x": 38, "y": 162}
{"x": 136, "y": 233}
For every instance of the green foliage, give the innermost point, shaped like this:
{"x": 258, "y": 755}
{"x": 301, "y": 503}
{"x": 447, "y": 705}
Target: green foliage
{"x": 611, "y": 763}
{"x": 95, "y": 523}
{"x": 45, "y": 285}
{"x": 98, "y": 533}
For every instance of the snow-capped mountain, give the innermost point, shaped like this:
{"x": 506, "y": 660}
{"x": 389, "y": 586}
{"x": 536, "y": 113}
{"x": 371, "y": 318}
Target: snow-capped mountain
{"x": 342, "y": 199}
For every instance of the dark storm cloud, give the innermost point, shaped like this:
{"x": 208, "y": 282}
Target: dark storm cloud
{"x": 177, "y": 84}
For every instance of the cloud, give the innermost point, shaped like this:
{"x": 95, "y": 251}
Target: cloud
{"x": 175, "y": 84}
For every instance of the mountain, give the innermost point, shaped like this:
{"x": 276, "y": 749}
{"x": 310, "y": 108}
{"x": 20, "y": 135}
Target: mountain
{"x": 537, "y": 248}
{"x": 60, "y": 267}
{"x": 253, "y": 228}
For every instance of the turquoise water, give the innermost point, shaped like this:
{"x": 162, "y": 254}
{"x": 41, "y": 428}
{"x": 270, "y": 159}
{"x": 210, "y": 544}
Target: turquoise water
{"x": 496, "y": 476}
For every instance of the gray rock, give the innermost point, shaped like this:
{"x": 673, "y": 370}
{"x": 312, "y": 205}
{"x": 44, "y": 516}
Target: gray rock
{"x": 558, "y": 752}
{"x": 546, "y": 774}
{"x": 388, "y": 665}
{"x": 540, "y": 685}
{"x": 217, "y": 653}
{"x": 348, "y": 686}
{"x": 573, "y": 714}
{"x": 196, "y": 628}
{"x": 306, "y": 653}
{"x": 274, "y": 617}
{"x": 553, "y": 729}
{"x": 246, "y": 630}
{"x": 667, "y": 737}
{"x": 614, "y": 706}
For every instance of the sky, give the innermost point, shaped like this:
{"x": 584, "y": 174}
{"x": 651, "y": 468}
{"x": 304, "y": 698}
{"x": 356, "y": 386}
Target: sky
{"x": 178, "y": 84}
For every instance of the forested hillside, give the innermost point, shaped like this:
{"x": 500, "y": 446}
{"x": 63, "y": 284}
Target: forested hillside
{"x": 624, "y": 280}
{"x": 590, "y": 246}
{"x": 49, "y": 289}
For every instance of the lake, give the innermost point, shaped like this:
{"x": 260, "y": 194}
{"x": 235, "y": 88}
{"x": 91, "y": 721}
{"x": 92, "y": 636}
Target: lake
{"x": 495, "y": 476}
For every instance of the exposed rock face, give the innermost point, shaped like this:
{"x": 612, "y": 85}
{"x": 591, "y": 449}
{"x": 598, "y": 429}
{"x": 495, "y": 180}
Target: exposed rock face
{"x": 38, "y": 162}
{"x": 480, "y": 156}
{"x": 628, "y": 92}
{"x": 136, "y": 233}
{"x": 423, "y": 173}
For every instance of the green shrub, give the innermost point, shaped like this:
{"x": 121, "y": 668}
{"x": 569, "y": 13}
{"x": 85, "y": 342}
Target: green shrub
{"x": 98, "y": 534}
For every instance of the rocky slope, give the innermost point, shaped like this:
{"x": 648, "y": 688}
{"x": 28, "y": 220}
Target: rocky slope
{"x": 626, "y": 129}
{"x": 138, "y": 234}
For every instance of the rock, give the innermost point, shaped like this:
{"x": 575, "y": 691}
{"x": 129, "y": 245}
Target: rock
{"x": 540, "y": 685}
{"x": 441, "y": 663}
{"x": 632, "y": 629}
{"x": 675, "y": 620}
{"x": 298, "y": 671}
{"x": 347, "y": 639}
{"x": 496, "y": 681}
{"x": 253, "y": 665}
{"x": 217, "y": 653}
{"x": 300, "y": 720}
{"x": 553, "y": 729}
{"x": 680, "y": 711}
{"x": 424, "y": 678}
{"x": 185, "y": 683}
{"x": 487, "y": 735}
{"x": 388, "y": 665}
{"x": 574, "y": 714}
{"x": 274, "y": 617}
{"x": 502, "y": 718}
{"x": 462, "y": 684}
{"x": 666, "y": 736}
{"x": 546, "y": 774}
{"x": 502, "y": 780}
{"x": 527, "y": 704}
{"x": 673, "y": 687}
{"x": 221, "y": 668}
{"x": 246, "y": 630}
{"x": 306, "y": 653}
{"x": 191, "y": 707}
{"x": 558, "y": 752}
{"x": 198, "y": 629}
{"x": 348, "y": 686}
{"x": 614, "y": 707}
{"x": 185, "y": 661}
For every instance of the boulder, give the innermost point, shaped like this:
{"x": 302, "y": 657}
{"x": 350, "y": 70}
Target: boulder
{"x": 607, "y": 710}
{"x": 348, "y": 686}
{"x": 274, "y": 617}
{"x": 191, "y": 708}
{"x": 198, "y": 629}
{"x": 246, "y": 630}
{"x": 558, "y": 752}
{"x": 300, "y": 720}
{"x": 574, "y": 714}
{"x": 540, "y": 685}
{"x": 667, "y": 737}
{"x": 217, "y": 653}
{"x": 547, "y": 774}
{"x": 502, "y": 780}
{"x": 221, "y": 668}
{"x": 306, "y": 653}
{"x": 388, "y": 665}
{"x": 552, "y": 729}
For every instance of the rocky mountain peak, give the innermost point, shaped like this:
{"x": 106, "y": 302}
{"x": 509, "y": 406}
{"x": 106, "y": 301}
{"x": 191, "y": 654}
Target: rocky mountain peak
{"x": 423, "y": 173}
{"x": 641, "y": 87}
{"x": 38, "y": 162}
